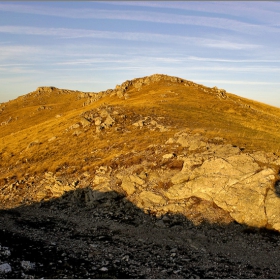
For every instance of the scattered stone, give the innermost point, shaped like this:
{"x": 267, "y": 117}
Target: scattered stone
{"x": 34, "y": 143}
{"x": 109, "y": 121}
{"x": 52, "y": 139}
{"x": 168, "y": 156}
{"x": 5, "y": 251}
{"x": 134, "y": 178}
{"x": 127, "y": 185}
{"x": 84, "y": 122}
{"x": 76, "y": 133}
{"x": 74, "y": 126}
{"x": 27, "y": 265}
{"x": 103, "y": 269}
{"x": 97, "y": 121}
{"x": 5, "y": 268}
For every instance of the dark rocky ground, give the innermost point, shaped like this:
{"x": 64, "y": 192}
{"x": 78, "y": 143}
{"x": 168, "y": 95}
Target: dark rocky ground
{"x": 66, "y": 238}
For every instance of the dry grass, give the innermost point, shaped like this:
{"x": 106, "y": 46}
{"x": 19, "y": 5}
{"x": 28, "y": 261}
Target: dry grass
{"x": 241, "y": 122}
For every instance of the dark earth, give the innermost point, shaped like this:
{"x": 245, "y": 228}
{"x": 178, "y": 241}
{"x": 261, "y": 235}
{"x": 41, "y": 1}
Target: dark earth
{"x": 66, "y": 238}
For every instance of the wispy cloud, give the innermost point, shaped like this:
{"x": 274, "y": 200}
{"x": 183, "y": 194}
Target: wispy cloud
{"x": 134, "y": 15}
{"x": 230, "y": 45}
{"x": 123, "y": 61}
{"x": 21, "y": 70}
{"x": 130, "y": 36}
{"x": 14, "y": 50}
{"x": 206, "y": 59}
{"x": 19, "y": 55}
{"x": 262, "y": 11}
{"x": 244, "y": 65}
{"x": 232, "y": 82}
{"x": 249, "y": 69}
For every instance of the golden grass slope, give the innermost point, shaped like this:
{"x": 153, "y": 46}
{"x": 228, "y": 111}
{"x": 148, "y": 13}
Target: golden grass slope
{"x": 38, "y": 131}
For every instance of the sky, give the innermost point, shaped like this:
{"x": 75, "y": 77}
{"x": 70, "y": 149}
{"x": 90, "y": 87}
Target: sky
{"x": 93, "y": 46}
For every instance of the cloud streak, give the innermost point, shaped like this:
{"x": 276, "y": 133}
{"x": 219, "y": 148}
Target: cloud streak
{"x": 133, "y": 15}
{"x": 206, "y": 59}
{"x": 232, "y": 82}
{"x": 264, "y": 12}
{"x": 130, "y": 36}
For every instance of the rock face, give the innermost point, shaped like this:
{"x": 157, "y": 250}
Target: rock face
{"x": 122, "y": 90}
{"x": 240, "y": 184}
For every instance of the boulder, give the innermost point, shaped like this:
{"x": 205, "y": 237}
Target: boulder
{"x": 149, "y": 199}
{"x": 236, "y": 184}
{"x": 193, "y": 142}
{"x": 5, "y": 268}
{"x": 97, "y": 121}
{"x": 109, "y": 121}
{"x": 168, "y": 156}
{"x": 136, "y": 179}
{"x": 127, "y": 185}
{"x": 84, "y": 122}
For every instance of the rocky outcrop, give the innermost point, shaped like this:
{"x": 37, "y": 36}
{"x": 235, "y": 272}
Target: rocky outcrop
{"x": 105, "y": 118}
{"x": 221, "y": 93}
{"x": 51, "y": 187}
{"x": 122, "y": 91}
{"x": 208, "y": 180}
{"x": 235, "y": 184}
{"x": 239, "y": 183}
{"x": 45, "y": 89}
{"x": 150, "y": 123}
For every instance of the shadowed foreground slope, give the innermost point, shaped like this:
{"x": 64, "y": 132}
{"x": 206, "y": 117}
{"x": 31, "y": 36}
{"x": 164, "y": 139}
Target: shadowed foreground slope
{"x": 65, "y": 237}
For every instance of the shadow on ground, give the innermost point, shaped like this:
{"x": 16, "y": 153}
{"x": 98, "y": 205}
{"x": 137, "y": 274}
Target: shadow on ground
{"x": 109, "y": 237}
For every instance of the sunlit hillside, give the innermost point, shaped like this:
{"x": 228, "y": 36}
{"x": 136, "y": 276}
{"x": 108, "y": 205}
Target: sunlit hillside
{"x": 56, "y": 130}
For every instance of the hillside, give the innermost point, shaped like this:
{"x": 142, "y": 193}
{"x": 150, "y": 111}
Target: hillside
{"x": 170, "y": 150}
{"x": 51, "y": 128}
{"x": 71, "y": 133}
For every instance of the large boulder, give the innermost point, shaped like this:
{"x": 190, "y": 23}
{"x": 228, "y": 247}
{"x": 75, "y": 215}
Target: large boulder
{"x": 236, "y": 184}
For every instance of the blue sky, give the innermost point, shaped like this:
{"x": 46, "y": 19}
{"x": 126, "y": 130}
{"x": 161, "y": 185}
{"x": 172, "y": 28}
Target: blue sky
{"x": 92, "y": 46}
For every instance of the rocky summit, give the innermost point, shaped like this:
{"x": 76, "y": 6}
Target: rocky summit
{"x": 158, "y": 178}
